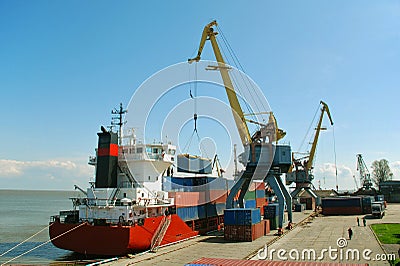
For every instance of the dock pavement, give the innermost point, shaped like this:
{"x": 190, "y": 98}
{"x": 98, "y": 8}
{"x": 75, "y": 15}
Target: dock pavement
{"x": 310, "y": 233}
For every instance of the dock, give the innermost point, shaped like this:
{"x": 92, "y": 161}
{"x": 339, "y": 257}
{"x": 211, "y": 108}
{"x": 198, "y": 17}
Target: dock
{"x": 312, "y": 232}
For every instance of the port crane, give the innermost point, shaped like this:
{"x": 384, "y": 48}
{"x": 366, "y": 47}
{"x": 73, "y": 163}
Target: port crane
{"x": 301, "y": 171}
{"x": 365, "y": 176}
{"x": 265, "y": 160}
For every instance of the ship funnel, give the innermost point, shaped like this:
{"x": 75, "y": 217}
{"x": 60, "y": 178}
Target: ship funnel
{"x": 107, "y": 159}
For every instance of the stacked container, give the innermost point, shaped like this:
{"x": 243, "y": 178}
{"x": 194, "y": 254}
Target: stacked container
{"x": 255, "y": 196}
{"x": 243, "y": 224}
{"x": 271, "y": 213}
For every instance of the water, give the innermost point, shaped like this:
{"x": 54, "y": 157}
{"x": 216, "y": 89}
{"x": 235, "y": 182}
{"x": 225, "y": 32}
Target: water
{"x": 23, "y": 213}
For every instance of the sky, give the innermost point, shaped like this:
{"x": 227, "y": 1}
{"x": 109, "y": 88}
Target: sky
{"x": 64, "y": 65}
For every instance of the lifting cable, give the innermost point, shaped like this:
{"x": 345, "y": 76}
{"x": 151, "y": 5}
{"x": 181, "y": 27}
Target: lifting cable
{"x": 308, "y": 130}
{"x": 233, "y": 77}
{"x": 246, "y": 80}
{"x": 44, "y": 243}
{"x": 334, "y": 151}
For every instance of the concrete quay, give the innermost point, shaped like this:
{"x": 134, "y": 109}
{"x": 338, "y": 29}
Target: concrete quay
{"x": 310, "y": 233}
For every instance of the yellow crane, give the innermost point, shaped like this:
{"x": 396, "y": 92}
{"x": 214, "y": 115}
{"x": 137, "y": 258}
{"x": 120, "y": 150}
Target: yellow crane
{"x": 239, "y": 116}
{"x": 255, "y": 144}
{"x": 301, "y": 170}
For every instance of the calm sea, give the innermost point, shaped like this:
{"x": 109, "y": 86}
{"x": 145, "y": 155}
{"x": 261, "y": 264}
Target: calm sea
{"x": 23, "y": 213}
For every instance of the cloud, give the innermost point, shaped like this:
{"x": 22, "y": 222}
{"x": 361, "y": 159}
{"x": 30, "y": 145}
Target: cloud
{"x": 395, "y": 167}
{"x": 47, "y": 174}
{"x": 325, "y": 174}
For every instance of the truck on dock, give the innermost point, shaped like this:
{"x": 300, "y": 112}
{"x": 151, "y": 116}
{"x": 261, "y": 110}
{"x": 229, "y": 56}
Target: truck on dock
{"x": 378, "y": 209}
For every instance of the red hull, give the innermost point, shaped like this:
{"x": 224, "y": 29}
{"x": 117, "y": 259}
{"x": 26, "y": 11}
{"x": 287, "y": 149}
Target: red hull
{"x": 117, "y": 240}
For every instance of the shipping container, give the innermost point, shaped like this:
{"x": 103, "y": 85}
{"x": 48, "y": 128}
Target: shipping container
{"x": 211, "y": 209}
{"x": 342, "y": 202}
{"x": 250, "y": 204}
{"x": 217, "y": 196}
{"x": 257, "y": 186}
{"x": 260, "y": 194}
{"x": 242, "y": 216}
{"x": 271, "y": 210}
{"x": 194, "y": 164}
{"x": 244, "y": 232}
{"x": 229, "y": 217}
{"x": 273, "y": 223}
{"x": 188, "y": 213}
{"x": 250, "y": 195}
{"x": 354, "y": 210}
{"x": 188, "y": 198}
{"x": 260, "y": 202}
{"x": 202, "y": 211}
{"x": 266, "y": 227}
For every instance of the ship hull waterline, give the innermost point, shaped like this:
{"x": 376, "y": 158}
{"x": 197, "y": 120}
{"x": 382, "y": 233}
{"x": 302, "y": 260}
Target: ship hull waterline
{"x": 115, "y": 240}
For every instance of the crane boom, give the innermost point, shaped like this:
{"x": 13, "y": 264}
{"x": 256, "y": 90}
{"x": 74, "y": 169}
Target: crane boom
{"x": 209, "y": 34}
{"x": 324, "y": 109}
{"x": 364, "y": 172}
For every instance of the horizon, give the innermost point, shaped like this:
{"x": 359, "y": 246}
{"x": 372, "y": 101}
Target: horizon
{"x": 67, "y": 64}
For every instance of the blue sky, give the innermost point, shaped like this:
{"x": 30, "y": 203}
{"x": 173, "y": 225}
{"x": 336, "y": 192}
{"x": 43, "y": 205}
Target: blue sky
{"x": 65, "y": 64}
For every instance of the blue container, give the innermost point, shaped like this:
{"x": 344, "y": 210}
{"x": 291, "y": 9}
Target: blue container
{"x": 188, "y": 213}
{"x": 250, "y": 204}
{"x": 260, "y": 194}
{"x": 248, "y": 216}
{"x": 211, "y": 210}
{"x": 202, "y": 211}
{"x": 230, "y": 217}
{"x": 271, "y": 210}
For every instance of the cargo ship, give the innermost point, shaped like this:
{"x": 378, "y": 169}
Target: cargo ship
{"x": 144, "y": 196}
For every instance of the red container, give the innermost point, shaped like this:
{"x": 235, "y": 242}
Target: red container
{"x": 244, "y": 232}
{"x": 216, "y": 196}
{"x": 354, "y": 210}
{"x": 257, "y": 186}
{"x": 260, "y": 203}
{"x": 266, "y": 227}
{"x": 185, "y": 199}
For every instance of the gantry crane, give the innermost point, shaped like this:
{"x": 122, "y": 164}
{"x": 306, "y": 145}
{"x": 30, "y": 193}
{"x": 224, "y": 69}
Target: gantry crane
{"x": 258, "y": 157}
{"x": 301, "y": 170}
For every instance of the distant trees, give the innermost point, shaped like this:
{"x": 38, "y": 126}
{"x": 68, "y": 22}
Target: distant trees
{"x": 381, "y": 171}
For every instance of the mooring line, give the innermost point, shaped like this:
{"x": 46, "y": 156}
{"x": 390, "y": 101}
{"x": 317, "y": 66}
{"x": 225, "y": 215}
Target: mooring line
{"x": 44, "y": 243}
{"x": 25, "y": 240}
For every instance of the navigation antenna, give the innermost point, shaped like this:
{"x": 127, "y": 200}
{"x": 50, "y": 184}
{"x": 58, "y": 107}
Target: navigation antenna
{"x": 118, "y": 121}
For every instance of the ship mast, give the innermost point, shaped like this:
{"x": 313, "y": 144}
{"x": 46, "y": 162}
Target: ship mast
{"x": 119, "y": 121}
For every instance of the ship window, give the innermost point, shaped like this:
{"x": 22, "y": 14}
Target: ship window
{"x": 148, "y": 150}
{"x": 171, "y": 152}
{"x": 142, "y": 195}
{"x": 149, "y": 177}
{"x": 155, "y": 150}
{"x": 139, "y": 150}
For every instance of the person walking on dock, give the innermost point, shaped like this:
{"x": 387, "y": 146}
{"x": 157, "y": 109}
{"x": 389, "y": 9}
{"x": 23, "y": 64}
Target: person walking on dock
{"x": 358, "y": 221}
{"x": 364, "y": 222}
{"x": 350, "y": 232}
